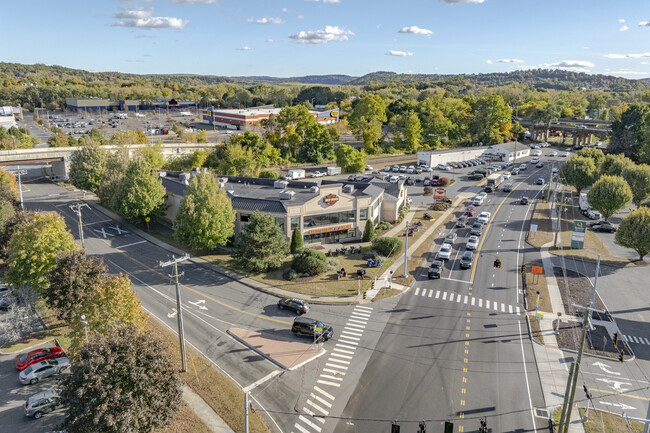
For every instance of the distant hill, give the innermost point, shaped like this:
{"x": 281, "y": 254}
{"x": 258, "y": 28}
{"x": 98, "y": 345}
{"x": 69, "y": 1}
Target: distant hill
{"x": 328, "y": 80}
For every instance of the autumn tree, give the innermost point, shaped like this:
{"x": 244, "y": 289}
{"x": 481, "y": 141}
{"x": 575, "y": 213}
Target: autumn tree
{"x": 609, "y": 195}
{"x": 122, "y": 382}
{"x": 33, "y": 249}
{"x": 366, "y": 120}
{"x": 205, "y": 217}
{"x": 261, "y": 246}
{"x": 349, "y": 159}
{"x": 140, "y": 193}
{"x": 8, "y": 180}
{"x": 87, "y": 167}
{"x": 634, "y": 231}
{"x": 579, "y": 172}
{"x": 638, "y": 177}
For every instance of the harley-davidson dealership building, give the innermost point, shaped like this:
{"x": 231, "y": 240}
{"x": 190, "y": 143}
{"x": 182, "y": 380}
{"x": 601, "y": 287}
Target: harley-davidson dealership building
{"x": 328, "y": 211}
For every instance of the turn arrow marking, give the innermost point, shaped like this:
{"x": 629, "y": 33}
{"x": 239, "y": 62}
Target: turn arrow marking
{"x": 604, "y": 368}
{"x": 172, "y": 314}
{"x": 615, "y": 385}
{"x": 200, "y": 303}
{"x": 621, "y": 405}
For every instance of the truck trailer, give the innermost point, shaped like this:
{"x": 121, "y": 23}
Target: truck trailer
{"x": 493, "y": 182}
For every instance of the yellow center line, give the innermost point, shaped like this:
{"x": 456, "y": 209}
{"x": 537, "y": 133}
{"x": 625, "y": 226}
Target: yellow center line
{"x": 605, "y": 391}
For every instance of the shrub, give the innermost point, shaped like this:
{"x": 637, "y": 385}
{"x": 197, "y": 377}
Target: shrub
{"x": 308, "y": 261}
{"x": 290, "y": 274}
{"x": 384, "y": 225}
{"x": 428, "y": 190}
{"x": 269, "y": 174}
{"x": 296, "y": 241}
{"x": 387, "y": 246}
{"x": 369, "y": 232}
{"x": 440, "y": 207}
{"x": 443, "y": 181}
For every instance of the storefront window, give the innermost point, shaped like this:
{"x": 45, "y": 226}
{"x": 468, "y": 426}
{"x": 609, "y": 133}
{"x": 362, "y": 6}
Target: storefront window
{"x": 279, "y": 221}
{"x": 330, "y": 237}
{"x": 329, "y": 219}
{"x": 363, "y": 214}
{"x": 295, "y": 223}
{"x": 243, "y": 218}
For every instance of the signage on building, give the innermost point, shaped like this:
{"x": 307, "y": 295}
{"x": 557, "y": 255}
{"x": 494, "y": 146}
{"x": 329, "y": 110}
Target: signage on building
{"x": 578, "y": 234}
{"x": 330, "y": 229}
{"x": 330, "y": 199}
{"x": 439, "y": 197}
{"x": 334, "y": 113}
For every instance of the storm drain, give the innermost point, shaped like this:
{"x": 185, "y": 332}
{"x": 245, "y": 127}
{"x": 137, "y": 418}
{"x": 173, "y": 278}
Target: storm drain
{"x": 541, "y": 413}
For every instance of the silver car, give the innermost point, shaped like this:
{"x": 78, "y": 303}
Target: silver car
{"x": 40, "y": 370}
{"x": 42, "y": 403}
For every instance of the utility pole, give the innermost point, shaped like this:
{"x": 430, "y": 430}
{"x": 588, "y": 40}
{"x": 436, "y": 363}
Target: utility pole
{"x": 76, "y": 208}
{"x": 406, "y": 251}
{"x": 18, "y": 172}
{"x": 179, "y": 310}
{"x": 246, "y": 404}
{"x": 593, "y": 294}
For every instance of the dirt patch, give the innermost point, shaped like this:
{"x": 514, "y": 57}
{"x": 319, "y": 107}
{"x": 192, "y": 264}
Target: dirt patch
{"x": 575, "y": 289}
{"x": 597, "y": 341}
{"x": 534, "y": 283}
{"x": 386, "y": 293}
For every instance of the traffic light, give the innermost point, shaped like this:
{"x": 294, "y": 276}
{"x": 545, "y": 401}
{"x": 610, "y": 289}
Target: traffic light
{"x": 497, "y": 264}
{"x": 364, "y": 294}
{"x": 483, "y": 427}
{"x": 372, "y": 285}
{"x": 621, "y": 355}
{"x": 423, "y": 428}
{"x": 615, "y": 339}
{"x": 523, "y": 269}
{"x": 449, "y": 427}
{"x": 587, "y": 393}
{"x": 394, "y": 428}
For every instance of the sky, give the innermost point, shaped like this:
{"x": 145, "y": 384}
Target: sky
{"x": 288, "y": 38}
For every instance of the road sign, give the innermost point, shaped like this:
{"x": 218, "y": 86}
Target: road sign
{"x": 440, "y": 191}
{"x": 540, "y": 316}
{"x": 147, "y": 219}
{"x": 578, "y": 234}
{"x": 536, "y": 269}
{"x": 533, "y": 228}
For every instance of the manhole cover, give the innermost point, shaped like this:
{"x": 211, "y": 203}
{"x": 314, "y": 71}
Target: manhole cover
{"x": 542, "y": 413}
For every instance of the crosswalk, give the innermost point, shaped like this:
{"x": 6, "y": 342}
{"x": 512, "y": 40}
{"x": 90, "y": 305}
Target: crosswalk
{"x": 634, "y": 339}
{"x": 320, "y": 400}
{"x": 457, "y": 298}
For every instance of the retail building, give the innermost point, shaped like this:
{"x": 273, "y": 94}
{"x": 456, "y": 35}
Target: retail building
{"x": 245, "y": 118}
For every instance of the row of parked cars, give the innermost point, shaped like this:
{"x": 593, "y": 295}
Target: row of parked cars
{"x": 462, "y": 164}
{"x": 411, "y": 169}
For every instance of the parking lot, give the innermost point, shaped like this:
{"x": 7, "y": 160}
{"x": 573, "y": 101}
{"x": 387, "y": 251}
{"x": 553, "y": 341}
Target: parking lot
{"x": 13, "y": 396}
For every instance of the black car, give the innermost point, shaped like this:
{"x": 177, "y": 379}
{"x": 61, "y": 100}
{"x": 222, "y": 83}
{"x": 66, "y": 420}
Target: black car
{"x": 462, "y": 221}
{"x": 477, "y": 229}
{"x": 467, "y": 260}
{"x": 607, "y": 228}
{"x": 312, "y": 328}
{"x": 476, "y": 176}
{"x": 298, "y": 306}
{"x": 597, "y": 223}
{"x": 435, "y": 270}
{"x": 410, "y": 181}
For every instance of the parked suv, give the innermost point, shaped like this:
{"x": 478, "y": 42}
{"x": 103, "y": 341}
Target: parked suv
{"x": 298, "y": 306}
{"x": 312, "y": 328}
{"x": 42, "y": 403}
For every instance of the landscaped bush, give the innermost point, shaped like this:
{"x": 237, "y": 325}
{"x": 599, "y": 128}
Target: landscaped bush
{"x": 402, "y": 213}
{"x": 290, "y": 274}
{"x": 443, "y": 181}
{"x": 440, "y": 207}
{"x": 428, "y": 190}
{"x": 384, "y": 225}
{"x": 269, "y": 174}
{"x": 309, "y": 261}
{"x": 387, "y": 246}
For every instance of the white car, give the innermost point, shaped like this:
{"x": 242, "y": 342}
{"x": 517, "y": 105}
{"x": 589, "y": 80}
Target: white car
{"x": 481, "y": 194}
{"x": 537, "y": 153}
{"x": 410, "y": 170}
{"x": 444, "y": 253}
{"x": 317, "y": 174}
{"x": 477, "y": 201}
{"x": 472, "y": 243}
{"x": 556, "y": 170}
{"x": 387, "y": 168}
{"x": 444, "y": 167}
{"x": 594, "y": 215}
{"x": 507, "y": 175}
{"x": 523, "y": 167}
{"x": 427, "y": 169}
{"x": 565, "y": 154}
{"x": 484, "y": 217}
{"x": 535, "y": 160}
{"x": 554, "y": 153}
{"x": 369, "y": 167}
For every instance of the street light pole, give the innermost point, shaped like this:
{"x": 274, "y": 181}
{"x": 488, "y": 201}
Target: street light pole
{"x": 179, "y": 310}
{"x": 18, "y": 172}
{"x": 406, "y": 251}
{"x": 85, "y": 323}
{"x": 76, "y": 208}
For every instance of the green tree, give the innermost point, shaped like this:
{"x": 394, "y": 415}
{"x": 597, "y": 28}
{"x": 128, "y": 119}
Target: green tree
{"x": 546, "y": 113}
{"x": 7, "y": 212}
{"x": 234, "y": 160}
{"x": 369, "y": 232}
{"x": 412, "y": 131}
{"x": 614, "y": 164}
{"x": 122, "y": 382}
{"x": 33, "y": 249}
{"x": 317, "y": 146}
{"x": 205, "y": 217}
{"x": 579, "y": 172}
{"x": 87, "y": 167}
{"x": 296, "y": 241}
{"x": 201, "y": 136}
{"x": 308, "y": 261}
{"x": 349, "y": 159}
{"x": 115, "y": 168}
{"x": 596, "y": 154}
{"x": 634, "y": 231}
{"x": 269, "y": 174}
{"x": 628, "y": 133}
{"x": 609, "y": 195}
{"x": 387, "y": 246}
{"x": 153, "y": 155}
{"x": 18, "y": 220}
{"x": 638, "y": 177}
{"x": 140, "y": 193}
{"x": 367, "y": 118}
{"x": 261, "y": 246}
{"x": 491, "y": 120}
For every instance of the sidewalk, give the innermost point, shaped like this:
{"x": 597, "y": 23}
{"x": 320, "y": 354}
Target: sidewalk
{"x": 209, "y": 417}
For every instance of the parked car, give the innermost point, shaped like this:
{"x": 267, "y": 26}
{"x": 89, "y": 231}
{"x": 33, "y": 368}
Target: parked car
{"x": 23, "y": 361}
{"x": 312, "y": 328}
{"x": 472, "y": 243}
{"x": 6, "y": 303}
{"x": 317, "y": 174}
{"x": 462, "y": 221}
{"x": 298, "y": 306}
{"x": 451, "y": 238}
{"x": 435, "y": 270}
{"x": 595, "y": 223}
{"x": 477, "y": 229}
{"x": 554, "y": 153}
{"x": 607, "y": 228}
{"x": 444, "y": 167}
{"x": 43, "y": 369}
{"x": 593, "y": 215}
{"x": 507, "y": 187}
{"x": 39, "y": 404}
{"x": 4, "y": 290}
{"x": 476, "y": 176}
{"x": 565, "y": 154}
{"x": 387, "y": 168}
{"x": 467, "y": 260}
{"x": 444, "y": 252}
{"x": 402, "y": 169}
{"x": 484, "y": 217}
{"x": 524, "y": 200}
{"x": 369, "y": 167}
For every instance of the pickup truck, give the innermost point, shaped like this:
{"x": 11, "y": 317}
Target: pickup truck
{"x": 317, "y": 174}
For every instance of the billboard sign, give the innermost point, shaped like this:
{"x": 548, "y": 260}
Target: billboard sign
{"x": 578, "y": 234}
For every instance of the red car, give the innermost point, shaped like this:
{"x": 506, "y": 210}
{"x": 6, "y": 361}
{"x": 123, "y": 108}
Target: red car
{"x": 470, "y": 211}
{"x": 23, "y": 361}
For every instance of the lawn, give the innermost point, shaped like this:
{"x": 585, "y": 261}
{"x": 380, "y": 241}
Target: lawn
{"x": 536, "y": 283}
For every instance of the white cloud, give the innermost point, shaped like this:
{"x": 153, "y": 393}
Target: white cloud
{"x": 271, "y": 40}
{"x": 621, "y": 20}
{"x": 627, "y": 56}
{"x": 134, "y": 13}
{"x": 300, "y": 16}
{"x": 245, "y": 48}
{"x": 630, "y": 73}
{"x": 328, "y": 34}
{"x": 399, "y": 53}
{"x": 324, "y": 1}
{"x": 644, "y": 63}
{"x": 509, "y": 61}
{"x": 267, "y": 20}
{"x": 644, "y": 24}
{"x": 285, "y": 10}
{"x": 569, "y": 64}
{"x": 622, "y": 29}
{"x": 463, "y": 1}
{"x": 195, "y": 2}
{"x": 154, "y": 23}
{"x": 488, "y": 61}
{"x": 415, "y": 30}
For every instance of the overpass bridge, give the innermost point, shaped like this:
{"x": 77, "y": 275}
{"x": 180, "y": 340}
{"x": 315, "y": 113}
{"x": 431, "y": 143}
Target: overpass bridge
{"x": 580, "y": 130}
{"x": 58, "y": 158}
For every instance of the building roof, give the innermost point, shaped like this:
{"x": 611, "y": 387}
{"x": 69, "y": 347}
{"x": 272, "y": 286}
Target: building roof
{"x": 253, "y": 204}
{"x": 247, "y": 111}
{"x": 511, "y": 146}
{"x": 455, "y": 149}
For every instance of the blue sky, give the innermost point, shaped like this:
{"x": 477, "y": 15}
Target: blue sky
{"x": 311, "y": 37}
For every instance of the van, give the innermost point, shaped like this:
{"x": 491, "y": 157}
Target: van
{"x": 393, "y": 179}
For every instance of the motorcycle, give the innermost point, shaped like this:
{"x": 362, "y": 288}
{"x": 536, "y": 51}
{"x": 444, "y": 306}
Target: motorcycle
{"x": 373, "y": 263}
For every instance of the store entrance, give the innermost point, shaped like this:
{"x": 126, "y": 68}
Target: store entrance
{"x": 329, "y": 237}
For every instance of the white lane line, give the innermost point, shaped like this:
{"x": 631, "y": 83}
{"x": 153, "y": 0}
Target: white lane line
{"x": 444, "y": 296}
{"x": 321, "y": 400}
{"x": 417, "y": 290}
{"x": 342, "y": 339}
{"x": 336, "y": 366}
{"x": 465, "y": 301}
{"x": 317, "y": 407}
{"x": 453, "y": 279}
{"x": 338, "y": 355}
{"x": 320, "y": 419}
{"x": 130, "y": 245}
{"x": 327, "y": 376}
{"x": 329, "y": 370}
{"x": 424, "y": 292}
{"x": 473, "y": 301}
{"x": 437, "y": 294}
{"x": 458, "y": 298}
{"x": 492, "y": 275}
{"x": 301, "y": 428}
{"x": 309, "y": 423}
{"x": 350, "y": 352}
{"x": 363, "y": 308}
{"x": 510, "y": 309}
{"x": 94, "y": 222}
{"x": 330, "y": 396}
{"x": 358, "y": 321}
{"x": 518, "y": 311}
{"x": 480, "y": 303}
{"x": 362, "y": 314}
{"x": 492, "y": 284}
{"x": 430, "y": 293}
{"x": 487, "y": 304}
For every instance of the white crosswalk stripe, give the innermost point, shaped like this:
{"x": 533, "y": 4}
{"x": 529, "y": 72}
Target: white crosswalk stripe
{"x": 444, "y": 296}
{"x": 437, "y": 293}
{"x": 417, "y": 290}
{"x": 490, "y": 305}
{"x": 430, "y": 293}
{"x": 473, "y": 300}
{"x": 424, "y": 292}
{"x": 635, "y": 339}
